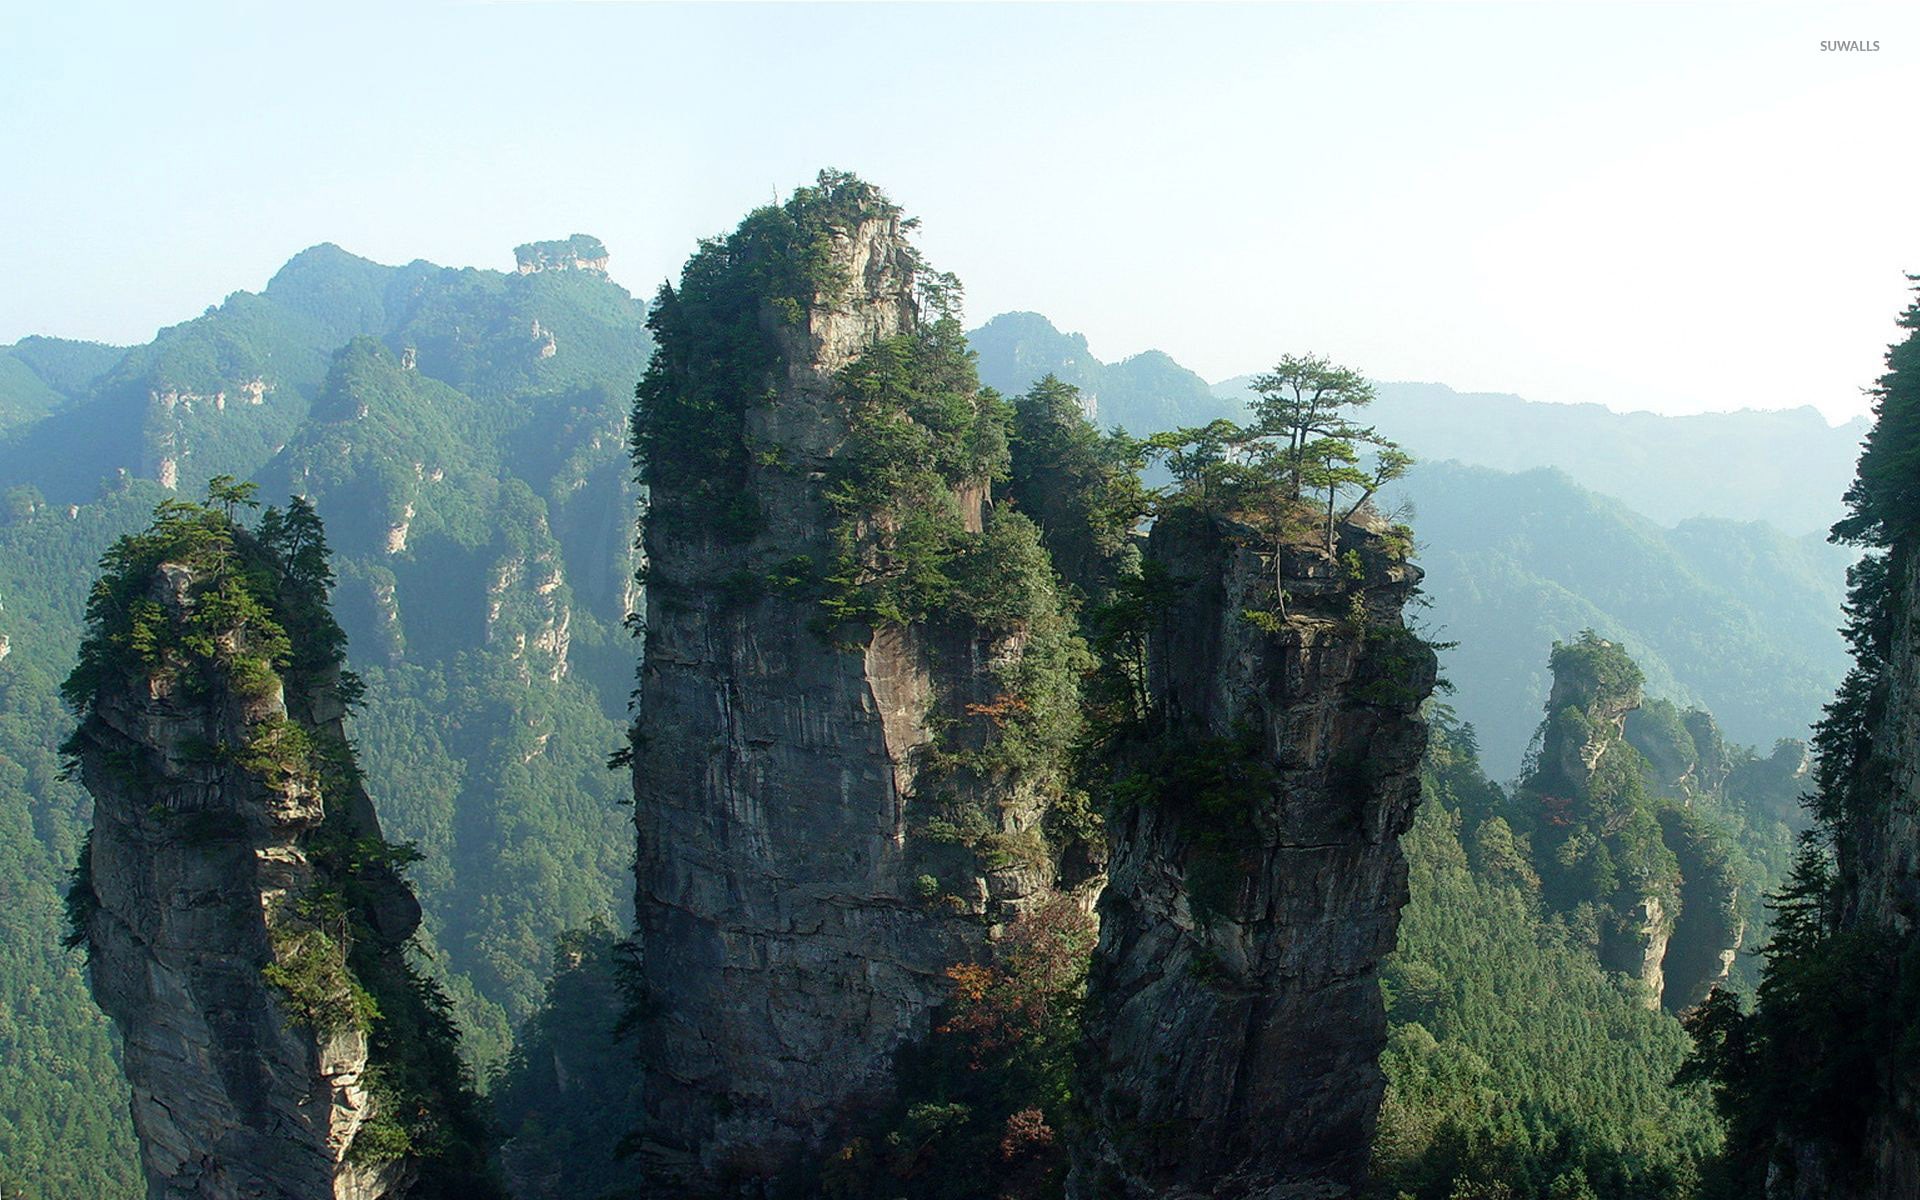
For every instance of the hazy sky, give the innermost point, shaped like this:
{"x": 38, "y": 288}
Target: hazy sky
{"x": 1651, "y": 206}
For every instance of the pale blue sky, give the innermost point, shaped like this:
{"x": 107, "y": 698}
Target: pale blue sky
{"x": 1670, "y": 206}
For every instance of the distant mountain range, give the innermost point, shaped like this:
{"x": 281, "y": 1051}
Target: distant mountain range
{"x": 1788, "y": 467}
{"x": 1696, "y": 541}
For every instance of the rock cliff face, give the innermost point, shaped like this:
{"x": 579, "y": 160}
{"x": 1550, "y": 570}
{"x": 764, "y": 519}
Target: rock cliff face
{"x": 1879, "y": 856}
{"x": 1235, "y": 1019}
{"x": 791, "y": 942}
{"x": 1883, "y": 867}
{"x": 197, "y": 859}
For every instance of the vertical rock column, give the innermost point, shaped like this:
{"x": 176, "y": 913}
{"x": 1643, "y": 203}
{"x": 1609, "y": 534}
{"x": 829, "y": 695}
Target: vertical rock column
{"x": 789, "y": 945}
{"x": 197, "y": 860}
{"x": 1234, "y": 1014}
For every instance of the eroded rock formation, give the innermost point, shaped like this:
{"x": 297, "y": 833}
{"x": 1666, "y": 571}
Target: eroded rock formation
{"x": 796, "y": 917}
{"x": 1235, "y": 1019}
{"x": 1625, "y": 832}
{"x": 243, "y": 916}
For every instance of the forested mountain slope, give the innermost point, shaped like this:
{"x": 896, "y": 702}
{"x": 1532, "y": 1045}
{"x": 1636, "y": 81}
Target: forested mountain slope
{"x": 463, "y": 433}
{"x": 40, "y": 375}
{"x": 1733, "y": 616}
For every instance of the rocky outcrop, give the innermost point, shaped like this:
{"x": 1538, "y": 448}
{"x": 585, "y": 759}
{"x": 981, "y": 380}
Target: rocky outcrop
{"x": 1573, "y": 749}
{"x": 795, "y": 928}
{"x": 1634, "y": 942}
{"x": 1676, "y": 907}
{"x": 198, "y": 870}
{"x": 580, "y": 252}
{"x": 1234, "y": 1013}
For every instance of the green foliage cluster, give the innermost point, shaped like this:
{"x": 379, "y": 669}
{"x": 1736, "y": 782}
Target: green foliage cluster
{"x": 921, "y": 437}
{"x": 1883, "y": 505}
{"x": 1599, "y": 669}
{"x": 226, "y": 632}
{"x": 309, "y": 969}
{"x": 1303, "y": 443}
{"x": 1597, "y": 836}
{"x": 1837, "y": 1009}
{"x": 718, "y": 336}
{"x": 1083, "y": 488}
{"x": 1516, "y": 1066}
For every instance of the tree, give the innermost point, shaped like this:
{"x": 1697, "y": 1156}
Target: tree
{"x": 1303, "y": 441}
{"x": 1307, "y": 400}
{"x": 1081, "y": 486}
{"x": 230, "y": 494}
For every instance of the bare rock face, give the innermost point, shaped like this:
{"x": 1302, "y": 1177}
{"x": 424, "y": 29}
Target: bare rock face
{"x": 789, "y": 939}
{"x": 196, "y": 859}
{"x": 1234, "y": 1015}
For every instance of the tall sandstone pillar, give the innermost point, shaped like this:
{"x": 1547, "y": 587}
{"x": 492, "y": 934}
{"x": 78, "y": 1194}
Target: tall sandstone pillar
{"x": 789, "y": 946}
{"x": 1234, "y": 1016}
{"x": 243, "y": 918}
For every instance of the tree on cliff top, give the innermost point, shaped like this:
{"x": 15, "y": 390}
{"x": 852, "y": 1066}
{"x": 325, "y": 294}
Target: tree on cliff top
{"x": 1307, "y": 400}
{"x": 1303, "y": 442}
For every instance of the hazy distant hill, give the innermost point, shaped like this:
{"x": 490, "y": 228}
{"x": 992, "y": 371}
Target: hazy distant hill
{"x": 1735, "y": 617}
{"x": 1788, "y": 467}
{"x": 41, "y": 375}
{"x": 1723, "y": 609}
{"x": 1144, "y": 393}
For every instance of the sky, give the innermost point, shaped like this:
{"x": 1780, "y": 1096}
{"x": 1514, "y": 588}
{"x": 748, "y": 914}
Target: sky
{"x": 1672, "y": 207}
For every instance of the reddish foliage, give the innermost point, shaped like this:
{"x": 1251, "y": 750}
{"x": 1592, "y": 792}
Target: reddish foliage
{"x": 1043, "y": 957}
{"x": 1027, "y": 1132}
{"x": 1000, "y": 709}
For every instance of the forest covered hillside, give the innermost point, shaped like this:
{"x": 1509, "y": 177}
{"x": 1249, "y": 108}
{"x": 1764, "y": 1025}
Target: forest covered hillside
{"x": 1733, "y": 616}
{"x": 463, "y": 433}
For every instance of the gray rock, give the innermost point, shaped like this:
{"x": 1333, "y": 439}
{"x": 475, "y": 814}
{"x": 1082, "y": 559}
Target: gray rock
{"x": 191, "y": 855}
{"x": 786, "y": 951}
{"x": 1234, "y": 1014}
